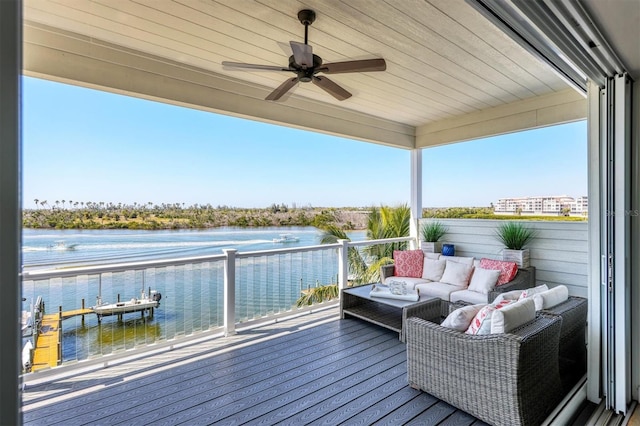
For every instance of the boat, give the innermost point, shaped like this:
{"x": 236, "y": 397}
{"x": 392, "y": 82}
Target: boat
{"x": 30, "y": 319}
{"x": 61, "y": 245}
{"x": 286, "y": 238}
{"x": 26, "y": 355}
{"x": 145, "y": 302}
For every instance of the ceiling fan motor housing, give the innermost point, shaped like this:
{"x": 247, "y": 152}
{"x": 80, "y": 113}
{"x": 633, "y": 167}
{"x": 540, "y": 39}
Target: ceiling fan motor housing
{"x": 305, "y": 75}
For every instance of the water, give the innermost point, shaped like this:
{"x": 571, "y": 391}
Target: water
{"x": 44, "y": 249}
{"x": 192, "y": 294}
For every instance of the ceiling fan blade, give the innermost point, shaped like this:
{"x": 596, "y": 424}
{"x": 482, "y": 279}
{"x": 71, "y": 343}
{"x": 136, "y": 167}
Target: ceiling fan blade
{"x": 254, "y": 66}
{"x": 332, "y": 88}
{"x": 365, "y": 65}
{"x": 302, "y": 53}
{"x": 282, "y": 89}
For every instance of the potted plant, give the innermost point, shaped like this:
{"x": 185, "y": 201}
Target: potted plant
{"x": 514, "y": 236}
{"x": 431, "y": 233}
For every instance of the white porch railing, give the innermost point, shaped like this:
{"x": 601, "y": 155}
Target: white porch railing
{"x": 199, "y": 294}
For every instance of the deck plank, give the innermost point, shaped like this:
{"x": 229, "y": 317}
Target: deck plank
{"x": 318, "y": 370}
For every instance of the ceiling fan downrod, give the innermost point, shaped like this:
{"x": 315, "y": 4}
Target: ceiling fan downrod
{"x": 306, "y": 18}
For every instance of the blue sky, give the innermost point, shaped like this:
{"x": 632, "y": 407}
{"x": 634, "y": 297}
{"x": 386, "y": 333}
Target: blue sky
{"x": 86, "y": 145}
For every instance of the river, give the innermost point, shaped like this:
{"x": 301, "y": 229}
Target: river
{"x": 191, "y": 295}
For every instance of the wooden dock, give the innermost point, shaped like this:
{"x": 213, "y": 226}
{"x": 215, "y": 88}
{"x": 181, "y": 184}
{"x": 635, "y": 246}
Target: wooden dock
{"x": 48, "y": 350}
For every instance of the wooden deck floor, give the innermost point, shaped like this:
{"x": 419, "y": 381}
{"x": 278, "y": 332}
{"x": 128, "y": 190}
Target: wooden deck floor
{"x": 314, "y": 369}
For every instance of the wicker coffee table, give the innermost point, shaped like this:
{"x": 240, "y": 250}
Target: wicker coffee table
{"x": 389, "y": 313}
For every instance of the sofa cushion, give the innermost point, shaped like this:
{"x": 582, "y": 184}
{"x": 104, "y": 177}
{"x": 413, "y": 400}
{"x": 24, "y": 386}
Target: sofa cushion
{"x": 508, "y": 270}
{"x": 530, "y": 292}
{"x": 513, "y": 315}
{"x": 469, "y": 296}
{"x": 437, "y": 289}
{"x": 512, "y": 295}
{"x": 457, "y": 274}
{"x": 459, "y": 259}
{"x": 481, "y": 323}
{"x": 432, "y": 256}
{"x": 408, "y": 263}
{"x": 551, "y": 297}
{"x": 410, "y": 281}
{"x": 461, "y": 317}
{"x": 433, "y": 269}
{"x": 483, "y": 280}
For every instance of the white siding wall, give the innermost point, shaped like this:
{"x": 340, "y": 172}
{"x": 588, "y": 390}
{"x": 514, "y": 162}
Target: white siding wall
{"x": 559, "y": 253}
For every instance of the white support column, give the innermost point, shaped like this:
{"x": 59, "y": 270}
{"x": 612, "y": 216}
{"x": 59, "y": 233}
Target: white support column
{"x": 621, "y": 267}
{"x": 10, "y": 210}
{"x": 635, "y": 243}
{"x": 343, "y": 264}
{"x": 416, "y": 195}
{"x": 229, "y": 293}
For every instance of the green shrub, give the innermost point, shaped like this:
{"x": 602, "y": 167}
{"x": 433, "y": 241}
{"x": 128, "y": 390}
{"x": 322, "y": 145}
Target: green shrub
{"x": 514, "y": 235}
{"x": 433, "y": 231}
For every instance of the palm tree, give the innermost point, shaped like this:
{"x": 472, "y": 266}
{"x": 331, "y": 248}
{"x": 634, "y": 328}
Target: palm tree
{"x": 364, "y": 267}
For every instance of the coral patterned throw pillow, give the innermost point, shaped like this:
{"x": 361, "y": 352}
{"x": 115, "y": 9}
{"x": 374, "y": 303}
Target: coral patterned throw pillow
{"x": 481, "y": 323}
{"x": 408, "y": 263}
{"x": 508, "y": 270}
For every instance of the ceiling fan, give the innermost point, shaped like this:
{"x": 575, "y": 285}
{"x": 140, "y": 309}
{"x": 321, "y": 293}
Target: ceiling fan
{"x": 305, "y": 65}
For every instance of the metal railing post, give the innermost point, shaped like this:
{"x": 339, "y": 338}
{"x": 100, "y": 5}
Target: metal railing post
{"x": 343, "y": 264}
{"x": 229, "y": 293}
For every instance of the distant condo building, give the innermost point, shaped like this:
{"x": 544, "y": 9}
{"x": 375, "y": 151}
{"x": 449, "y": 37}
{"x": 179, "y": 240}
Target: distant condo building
{"x": 556, "y": 205}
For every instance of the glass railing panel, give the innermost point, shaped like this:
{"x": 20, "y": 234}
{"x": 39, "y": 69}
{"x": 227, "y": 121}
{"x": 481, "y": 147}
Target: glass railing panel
{"x": 270, "y": 284}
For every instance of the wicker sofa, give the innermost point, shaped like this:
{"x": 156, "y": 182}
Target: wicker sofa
{"x": 525, "y": 278}
{"x": 502, "y": 379}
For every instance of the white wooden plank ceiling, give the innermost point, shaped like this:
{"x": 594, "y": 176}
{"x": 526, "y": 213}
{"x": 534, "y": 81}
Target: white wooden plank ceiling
{"x": 443, "y": 59}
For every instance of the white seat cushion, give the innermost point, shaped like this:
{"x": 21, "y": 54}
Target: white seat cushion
{"x": 436, "y": 289}
{"x": 469, "y": 296}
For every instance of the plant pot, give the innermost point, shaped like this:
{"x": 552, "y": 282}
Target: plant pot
{"x": 521, "y": 257}
{"x": 430, "y": 247}
{"x": 448, "y": 250}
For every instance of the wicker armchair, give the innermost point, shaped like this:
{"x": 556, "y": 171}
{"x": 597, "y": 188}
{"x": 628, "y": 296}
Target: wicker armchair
{"x": 502, "y": 379}
{"x": 573, "y": 345}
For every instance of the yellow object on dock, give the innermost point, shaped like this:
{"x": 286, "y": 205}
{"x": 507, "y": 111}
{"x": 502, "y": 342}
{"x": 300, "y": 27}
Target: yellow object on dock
{"x": 45, "y": 354}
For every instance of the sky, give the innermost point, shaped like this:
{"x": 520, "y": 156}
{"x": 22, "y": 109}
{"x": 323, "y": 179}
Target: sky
{"x": 86, "y": 145}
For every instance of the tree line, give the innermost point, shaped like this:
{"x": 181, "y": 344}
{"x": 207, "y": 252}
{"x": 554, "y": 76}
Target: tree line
{"x": 63, "y": 214}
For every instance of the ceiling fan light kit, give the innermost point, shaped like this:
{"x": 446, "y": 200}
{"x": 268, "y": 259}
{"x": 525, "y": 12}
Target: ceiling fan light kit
{"x": 305, "y": 65}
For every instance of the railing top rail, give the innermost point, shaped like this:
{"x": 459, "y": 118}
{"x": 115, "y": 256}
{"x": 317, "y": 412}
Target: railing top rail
{"x": 286, "y": 250}
{"x": 383, "y": 241}
{"x": 159, "y": 263}
{"x": 117, "y": 267}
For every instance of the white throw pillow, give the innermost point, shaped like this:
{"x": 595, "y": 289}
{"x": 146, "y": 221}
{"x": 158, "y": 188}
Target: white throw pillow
{"x": 508, "y": 295}
{"x": 550, "y": 298}
{"x": 456, "y": 274}
{"x": 483, "y": 280}
{"x": 513, "y": 315}
{"x": 459, "y": 259}
{"x": 530, "y": 292}
{"x": 461, "y": 317}
{"x": 433, "y": 269}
